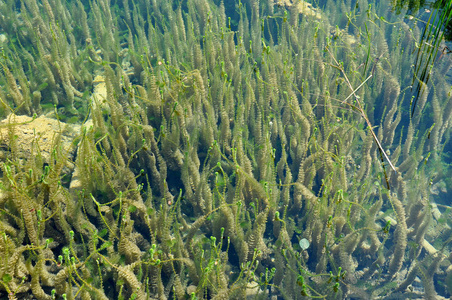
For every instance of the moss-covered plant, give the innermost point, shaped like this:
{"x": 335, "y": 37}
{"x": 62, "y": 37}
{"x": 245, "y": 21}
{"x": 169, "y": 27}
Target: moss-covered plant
{"x": 226, "y": 152}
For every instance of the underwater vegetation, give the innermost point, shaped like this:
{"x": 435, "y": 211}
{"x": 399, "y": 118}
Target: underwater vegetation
{"x": 436, "y": 28}
{"x": 238, "y": 150}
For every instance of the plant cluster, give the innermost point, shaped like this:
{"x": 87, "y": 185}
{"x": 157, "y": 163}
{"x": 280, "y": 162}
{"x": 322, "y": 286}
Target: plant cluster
{"x": 232, "y": 154}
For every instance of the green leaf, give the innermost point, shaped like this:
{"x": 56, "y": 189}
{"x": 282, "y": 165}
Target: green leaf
{"x": 132, "y": 208}
{"x": 6, "y": 278}
{"x": 105, "y": 245}
{"x": 42, "y": 86}
{"x": 120, "y": 282}
{"x": 103, "y": 232}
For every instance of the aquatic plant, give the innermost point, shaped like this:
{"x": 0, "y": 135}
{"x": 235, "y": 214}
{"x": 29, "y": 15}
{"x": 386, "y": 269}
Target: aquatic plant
{"x": 217, "y": 138}
{"x": 430, "y": 45}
